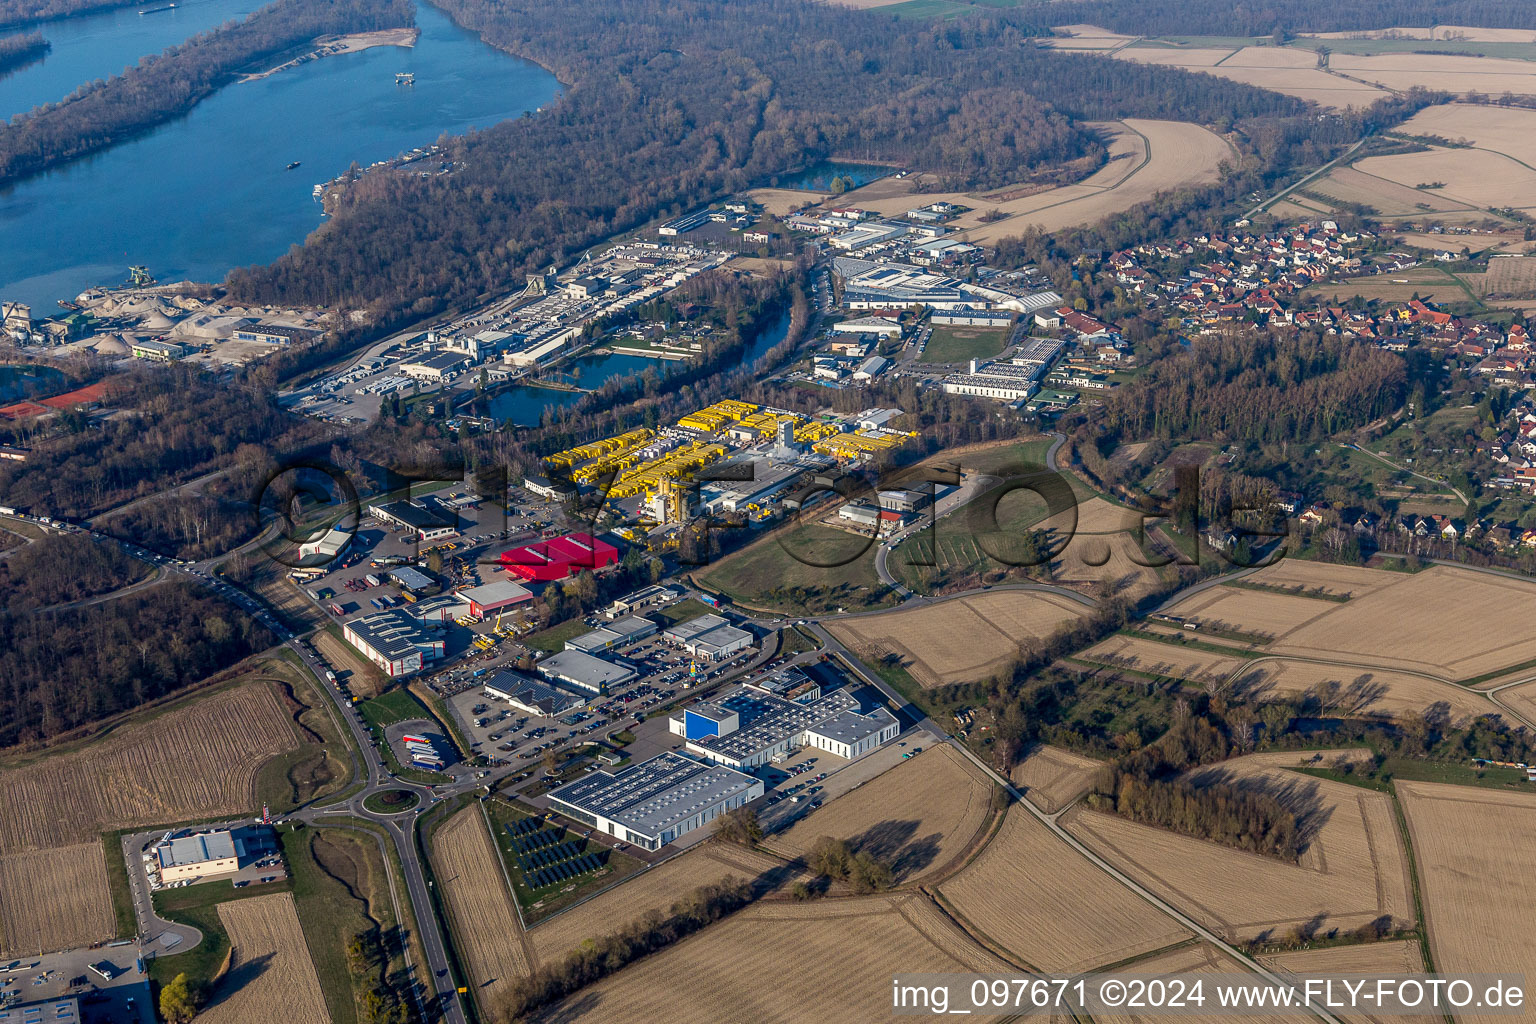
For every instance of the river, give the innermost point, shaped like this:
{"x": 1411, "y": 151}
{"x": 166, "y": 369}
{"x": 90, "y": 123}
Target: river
{"x": 524, "y": 405}
{"x": 210, "y": 191}
{"x": 103, "y": 45}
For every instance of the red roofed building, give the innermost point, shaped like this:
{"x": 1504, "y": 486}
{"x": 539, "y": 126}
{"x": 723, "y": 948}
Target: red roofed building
{"x": 549, "y": 560}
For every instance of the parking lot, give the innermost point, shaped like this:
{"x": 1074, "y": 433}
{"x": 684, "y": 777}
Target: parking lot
{"x": 124, "y": 999}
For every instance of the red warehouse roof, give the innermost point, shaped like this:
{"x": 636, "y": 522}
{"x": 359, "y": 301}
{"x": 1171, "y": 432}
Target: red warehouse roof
{"x": 556, "y": 559}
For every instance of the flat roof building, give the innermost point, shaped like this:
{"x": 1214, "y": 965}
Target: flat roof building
{"x": 417, "y": 582}
{"x": 642, "y": 598}
{"x": 616, "y": 634}
{"x": 544, "y": 487}
{"x": 585, "y": 672}
{"x": 416, "y": 517}
{"x": 52, "y": 1011}
{"x": 709, "y": 637}
{"x": 326, "y": 547}
{"x": 490, "y": 598}
{"x": 202, "y": 855}
{"x": 394, "y": 641}
{"x": 531, "y": 695}
{"x": 749, "y": 726}
{"x": 657, "y": 801}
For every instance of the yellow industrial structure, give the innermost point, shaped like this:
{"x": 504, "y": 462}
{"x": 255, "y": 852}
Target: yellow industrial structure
{"x": 717, "y": 417}
{"x": 858, "y": 446}
{"x": 678, "y": 464}
{"x": 606, "y": 448}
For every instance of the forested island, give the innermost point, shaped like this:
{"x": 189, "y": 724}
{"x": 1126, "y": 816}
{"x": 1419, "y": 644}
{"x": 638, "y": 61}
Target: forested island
{"x": 102, "y": 113}
{"x": 17, "y": 51}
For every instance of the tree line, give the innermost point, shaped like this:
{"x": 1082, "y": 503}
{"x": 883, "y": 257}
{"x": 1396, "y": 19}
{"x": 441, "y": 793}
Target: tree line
{"x": 63, "y": 669}
{"x": 597, "y": 958}
{"x": 100, "y": 114}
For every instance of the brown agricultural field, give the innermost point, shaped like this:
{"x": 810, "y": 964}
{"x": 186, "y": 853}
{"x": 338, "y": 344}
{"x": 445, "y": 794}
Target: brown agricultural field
{"x": 1470, "y": 176}
{"x": 1387, "y": 197}
{"x": 1473, "y": 849}
{"x": 785, "y": 963}
{"x": 1510, "y": 131}
{"x": 1201, "y": 959}
{"x": 1371, "y": 958}
{"x": 1450, "y": 622}
{"x": 656, "y": 889}
{"x": 1289, "y": 70}
{"x": 1262, "y": 613}
{"x": 486, "y": 930}
{"x": 1361, "y": 691}
{"x": 1077, "y": 917}
{"x": 1051, "y": 777}
{"x": 1352, "y": 869}
{"x": 959, "y": 640}
{"x": 1158, "y": 659}
{"x": 1468, "y": 33}
{"x": 1506, "y": 275}
{"x": 354, "y": 670}
{"x": 1455, "y": 73}
{"x": 54, "y": 899}
{"x": 1087, "y": 37}
{"x": 271, "y": 976}
{"x": 1145, "y": 157}
{"x": 197, "y": 759}
{"x": 917, "y": 817}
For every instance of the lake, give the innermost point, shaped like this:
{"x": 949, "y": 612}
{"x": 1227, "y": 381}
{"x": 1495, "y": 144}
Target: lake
{"x": 524, "y": 405}
{"x": 819, "y": 177}
{"x": 103, "y": 45}
{"x": 210, "y": 191}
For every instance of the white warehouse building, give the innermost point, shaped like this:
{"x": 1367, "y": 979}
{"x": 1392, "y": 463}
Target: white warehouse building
{"x": 657, "y": 801}
{"x": 748, "y": 727}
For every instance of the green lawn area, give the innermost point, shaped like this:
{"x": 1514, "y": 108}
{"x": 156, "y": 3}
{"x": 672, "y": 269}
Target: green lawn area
{"x": 683, "y": 611}
{"x": 773, "y": 575}
{"x": 553, "y": 639}
{"x": 397, "y": 705}
{"x": 961, "y": 344}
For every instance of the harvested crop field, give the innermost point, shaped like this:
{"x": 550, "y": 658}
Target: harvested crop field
{"x": 1361, "y": 691}
{"x": 198, "y": 759}
{"x": 1339, "y": 580}
{"x": 1051, "y": 777}
{"x": 271, "y": 976}
{"x": 1389, "y": 198}
{"x": 1473, "y": 849}
{"x": 1197, "y": 960}
{"x": 1077, "y": 918}
{"x": 54, "y": 899}
{"x": 1507, "y": 130}
{"x": 960, "y": 640}
{"x": 1149, "y": 657}
{"x": 785, "y": 963}
{"x": 1260, "y": 612}
{"x": 1371, "y": 958}
{"x": 917, "y": 817}
{"x": 1352, "y": 869}
{"x": 1087, "y": 37}
{"x": 485, "y": 926}
{"x": 1288, "y": 70}
{"x": 1145, "y": 157}
{"x": 1470, "y": 176}
{"x": 1450, "y": 622}
{"x": 1454, "y": 73}
{"x": 656, "y": 889}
